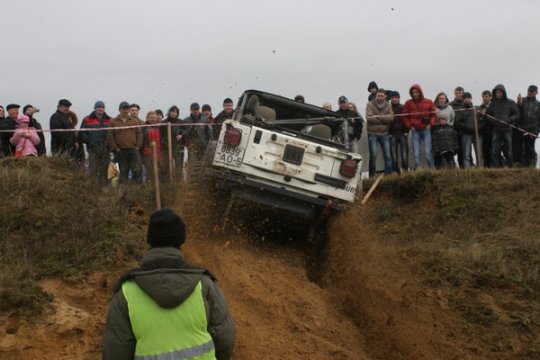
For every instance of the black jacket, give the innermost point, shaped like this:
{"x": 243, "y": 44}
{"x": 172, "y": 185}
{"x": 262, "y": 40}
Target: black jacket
{"x": 41, "y": 148}
{"x": 61, "y": 141}
{"x": 530, "y": 115}
{"x": 358, "y": 125}
{"x": 218, "y": 121}
{"x": 444, "y": 139}
{"x": 7, "y": 123}
{"x": 502, "y": 109}
{"x": 397, "y": 128}
{"x": 464, "y": 122}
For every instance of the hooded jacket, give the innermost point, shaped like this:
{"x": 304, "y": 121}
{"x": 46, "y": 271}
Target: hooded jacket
{"x": 502, "y": 109}
{"x": 419, "y": 109}
{"x": 169, "y": 288}
{"x": 25, "y": 144}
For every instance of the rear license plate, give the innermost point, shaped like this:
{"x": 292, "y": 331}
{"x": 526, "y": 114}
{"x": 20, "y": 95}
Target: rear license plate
{"x": 230, "y": 155}
{"x": 293, "y": 154}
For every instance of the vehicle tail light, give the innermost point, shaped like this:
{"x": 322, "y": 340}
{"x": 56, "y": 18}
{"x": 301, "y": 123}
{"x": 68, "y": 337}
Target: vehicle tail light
{"x": 348, "y": 168}
{"x": 233, "y": 136}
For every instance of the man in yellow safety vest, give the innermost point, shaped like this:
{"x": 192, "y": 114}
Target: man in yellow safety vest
{"x": 166, "y": 308}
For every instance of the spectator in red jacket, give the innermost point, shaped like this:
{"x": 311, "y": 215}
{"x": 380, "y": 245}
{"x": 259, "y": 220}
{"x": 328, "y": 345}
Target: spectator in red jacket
{"x": 419, "y": 119}
{"x": 151, "y": 134}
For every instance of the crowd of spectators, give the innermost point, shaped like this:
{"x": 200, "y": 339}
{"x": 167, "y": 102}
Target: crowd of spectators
{"x": 501, "y": 131}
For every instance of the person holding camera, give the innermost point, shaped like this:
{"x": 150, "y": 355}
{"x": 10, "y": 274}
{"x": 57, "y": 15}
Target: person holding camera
{"x": 419, "y": 117}
{"x": 29, "y": 111}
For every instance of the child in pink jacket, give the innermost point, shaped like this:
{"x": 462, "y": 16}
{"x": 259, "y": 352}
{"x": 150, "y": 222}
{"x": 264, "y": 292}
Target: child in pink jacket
{"x": 25, "y": 138}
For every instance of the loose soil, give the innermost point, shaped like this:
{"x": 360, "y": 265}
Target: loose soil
{"x": 371, "y": 301}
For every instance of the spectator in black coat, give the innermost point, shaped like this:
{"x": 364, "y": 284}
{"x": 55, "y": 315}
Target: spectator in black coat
{"x": 63, "y": 142}
{"x": 503, "y": 112}
{"x": 9, "y": 123}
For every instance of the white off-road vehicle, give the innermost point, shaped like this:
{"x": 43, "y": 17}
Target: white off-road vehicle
{"x": 283, "y": 154}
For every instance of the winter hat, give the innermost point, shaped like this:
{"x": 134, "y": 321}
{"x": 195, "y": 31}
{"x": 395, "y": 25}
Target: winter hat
{"x": 12, "y": 106}
{"x": 342, "y": 99}
{"x": 99, "y": 104}
{"x": 206, "y": 107}
{"x": 194, "y": 106}
{"x": 124, "y": 105}
{"x": 467, "y": 95}
{"x": 395, "y": 94}
{"x": 23, "y": 119}
{"x": 166, "y": 229}
{"x": 372, "y": 85}
{"x": 64, "y": 102}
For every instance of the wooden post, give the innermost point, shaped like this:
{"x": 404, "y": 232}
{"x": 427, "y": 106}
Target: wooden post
{"x": 169, "y": 144}
{"x": 156, "y": 175}
{"x": 478, "y": 149}
{"x": 372, "y": 189}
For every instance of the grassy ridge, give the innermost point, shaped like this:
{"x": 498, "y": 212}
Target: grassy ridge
{"x": 475, "y": 237}
{"x": 55, "y": 221}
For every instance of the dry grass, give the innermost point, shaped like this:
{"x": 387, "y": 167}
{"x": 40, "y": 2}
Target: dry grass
{"x": 56, "y": 222}
{"x": 474, "y": 236}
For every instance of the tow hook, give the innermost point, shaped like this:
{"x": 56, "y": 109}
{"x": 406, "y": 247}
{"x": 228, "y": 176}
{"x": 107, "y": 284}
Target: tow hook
{"x": 328, "y": 207}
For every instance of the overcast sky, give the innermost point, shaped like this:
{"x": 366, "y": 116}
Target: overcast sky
{"x": 163, "y": 52}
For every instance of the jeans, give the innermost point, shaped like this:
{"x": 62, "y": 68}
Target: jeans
{"x": 425, "y": 137}
{"x": 129, "y": 159}
{"x": 467, "y": 140}
{"x": 374, "y": 141}
{"x": 501, "y": 140}
{"x": 399, "y": 143}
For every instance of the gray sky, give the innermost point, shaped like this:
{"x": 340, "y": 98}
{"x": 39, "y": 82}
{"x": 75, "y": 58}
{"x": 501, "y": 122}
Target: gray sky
{"x": 163, "y": 52}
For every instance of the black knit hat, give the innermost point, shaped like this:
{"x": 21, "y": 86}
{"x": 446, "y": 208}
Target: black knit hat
{"x": 372, "y": 85}
{"x": 166, "y": 229}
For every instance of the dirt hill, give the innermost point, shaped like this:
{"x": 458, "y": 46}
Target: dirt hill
{"x": 440, "y": 265}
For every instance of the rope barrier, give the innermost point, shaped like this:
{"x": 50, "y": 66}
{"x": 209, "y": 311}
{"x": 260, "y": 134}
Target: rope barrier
{"x": 525, "y": 132}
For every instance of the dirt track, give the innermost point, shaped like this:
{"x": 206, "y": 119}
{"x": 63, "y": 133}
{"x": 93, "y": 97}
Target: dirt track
{"x": 367, "y": 306}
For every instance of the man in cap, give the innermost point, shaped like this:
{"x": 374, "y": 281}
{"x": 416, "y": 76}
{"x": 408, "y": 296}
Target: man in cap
{"x": 226, "y": 113}
{"x": 63, "y": 142}
{"x": 9, "y": 123}
{"x": 167, "y": 308}
{"x": 354, "y": 120}
{"x": 529, "y": 121}
{"x": 126, "y": 144}
{"x": 29, "y": 111}
{"x": 198, "y": 132}
{"x": 96, "y": 142}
